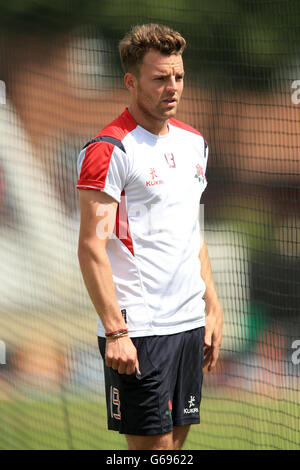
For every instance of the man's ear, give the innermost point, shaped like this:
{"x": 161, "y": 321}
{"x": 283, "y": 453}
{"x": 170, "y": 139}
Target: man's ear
{"x": 130, "y": 81}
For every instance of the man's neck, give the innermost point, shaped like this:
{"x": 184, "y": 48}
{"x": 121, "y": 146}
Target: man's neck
{"x": 152, "y": 125}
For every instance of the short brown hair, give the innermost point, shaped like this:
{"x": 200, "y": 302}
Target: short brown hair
{"x": 141, "y": 38}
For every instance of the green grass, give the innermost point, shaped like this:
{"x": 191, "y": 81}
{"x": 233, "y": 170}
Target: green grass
{"x": 226, "y": 423}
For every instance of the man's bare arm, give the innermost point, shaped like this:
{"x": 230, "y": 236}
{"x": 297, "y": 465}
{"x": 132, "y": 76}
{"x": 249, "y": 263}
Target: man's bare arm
{"x": 213, "y": 321}
{"x": 98, "y": 215}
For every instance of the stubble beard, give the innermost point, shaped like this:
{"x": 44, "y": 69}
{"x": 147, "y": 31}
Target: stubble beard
{"x": 156, "y": 113}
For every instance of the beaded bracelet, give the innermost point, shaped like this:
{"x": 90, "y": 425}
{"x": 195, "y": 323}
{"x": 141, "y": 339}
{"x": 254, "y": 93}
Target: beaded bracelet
{"x": 119, "y": 335}
{"x": 114, "y": 333}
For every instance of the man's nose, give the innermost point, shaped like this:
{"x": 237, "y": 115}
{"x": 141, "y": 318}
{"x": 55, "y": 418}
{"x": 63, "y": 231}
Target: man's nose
{"x": 172, "y": 84}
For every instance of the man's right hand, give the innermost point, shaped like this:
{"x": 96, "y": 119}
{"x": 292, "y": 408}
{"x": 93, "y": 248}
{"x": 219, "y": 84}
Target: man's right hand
{"x": 97, "y": 221}
{"x": 121, "y": 355}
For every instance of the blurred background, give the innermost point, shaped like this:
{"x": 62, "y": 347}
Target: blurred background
{"x": 60, "y": 83}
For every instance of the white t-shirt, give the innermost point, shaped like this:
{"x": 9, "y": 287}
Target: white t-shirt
{"x": 158, "y": 182}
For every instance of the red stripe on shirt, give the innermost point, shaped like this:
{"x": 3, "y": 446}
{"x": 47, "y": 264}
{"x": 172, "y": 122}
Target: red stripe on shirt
{"x": 182, "y": 125}
{"x": 97, "y": 157}
{"x": 120, "y": 127}
{"x": 122, "y": 224}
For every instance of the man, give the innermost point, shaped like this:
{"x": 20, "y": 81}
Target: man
{"x": 144, "y": 175}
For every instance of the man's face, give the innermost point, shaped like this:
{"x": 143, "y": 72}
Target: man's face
{"x": 159, "y": 86}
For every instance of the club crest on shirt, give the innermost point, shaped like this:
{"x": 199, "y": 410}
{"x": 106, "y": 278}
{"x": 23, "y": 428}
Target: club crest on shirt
{"x": 154, "y": 178}
{"x": 200, "y": 173}
{"x": 169, "y": 157}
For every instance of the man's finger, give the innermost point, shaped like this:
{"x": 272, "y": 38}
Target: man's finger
{"x": 114, "y": 364}
{"x": 214, "y": 358}
{"x": 137, "y": 365}
{"x": 207, "y": 337}
{"x": 207, "y": 357}
{"x": 122, "y": 367}
{"x": 130, "y": 369}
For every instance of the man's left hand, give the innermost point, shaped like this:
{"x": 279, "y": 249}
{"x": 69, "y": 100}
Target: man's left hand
{"x": 212, "y": 336}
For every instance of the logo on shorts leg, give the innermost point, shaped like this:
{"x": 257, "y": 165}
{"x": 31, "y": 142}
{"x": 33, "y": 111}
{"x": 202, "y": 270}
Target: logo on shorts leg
{"x": 169, "y": 411}
{"x": 192, "y": 408}
{"x": 115, "y": 404}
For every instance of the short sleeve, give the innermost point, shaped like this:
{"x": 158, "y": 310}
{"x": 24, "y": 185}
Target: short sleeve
{"x": 202, "y": 168}
{"x": 205, "y": 154}
{"x": 102, "y": 166}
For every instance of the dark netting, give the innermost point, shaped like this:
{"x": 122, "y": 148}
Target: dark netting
{"x": 61, "y": 82}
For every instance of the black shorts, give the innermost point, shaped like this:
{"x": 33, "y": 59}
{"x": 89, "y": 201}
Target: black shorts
{"x": 168, "y": 391}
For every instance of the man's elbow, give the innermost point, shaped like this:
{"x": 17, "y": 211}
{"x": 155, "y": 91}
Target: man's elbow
{"x": 88, "y": 251}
